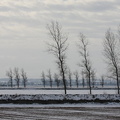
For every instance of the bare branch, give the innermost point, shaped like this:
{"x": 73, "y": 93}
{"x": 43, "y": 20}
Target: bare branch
{"x": 50, "y": 77}
{"x": 24, "y": 77}
{"x": 10, "y": 75}
{"x": 43, "y": 79}
{"x": 17, "y": 76}
{"x": 85, "y": 62}
{"x": 58, "y": 47}
{"x": 111, "y": 54}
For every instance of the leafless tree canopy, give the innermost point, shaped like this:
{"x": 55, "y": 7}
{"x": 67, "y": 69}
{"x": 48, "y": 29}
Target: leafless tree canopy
{"x": 93, "y": 77}
{"x": 102, "y": 80}
{"x": 118, "y": 34}
{"x": 58, "y": 46}
{"x": 70, "y": 78}
{"x": 10, "y": 75}
{"x": 83, "y": 78}
{"x": 56, "y": 78}
{"x": 17, "y": 76}
{"x": 112, "y": 56}
{"x": 76, "y": 74}
{"x": 49, "y": 76}
{"x": 43, "y": 79}
{"x": 85, "y": 60}
{"x": 24, "y": 77}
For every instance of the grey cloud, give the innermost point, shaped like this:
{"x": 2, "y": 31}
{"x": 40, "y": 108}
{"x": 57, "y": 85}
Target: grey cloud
{"x": 92, "y": 19}
{"x": 20, "y": 7}
{"x": 21, "y": 20}
{"x": 40, "y": 6}
{"x": 101, "y": 6}
{"x": 5, "y": 9}
{"x": 97, "y": 6}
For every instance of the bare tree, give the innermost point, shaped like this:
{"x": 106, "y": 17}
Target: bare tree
{"x": 112, "y": 55}
{"x": 118, "y": 34}
{"x": 43, "y": 79}
{"x": 85, "y": 62}
{"x": 76, "y": 74}
{"x": 83, "y": 78}
{"x": 56, "y": 78}
{"x": 102, "y": 80}
{"x": 93, "y": 78}
{"x": 58, "y": 47}
{"x": 49, "y": 76}
{"x": 70, "y": 78}
{"x": 10, "y": 75}
{"x": 17, "y": 76}
{"x": 24, "y": 77}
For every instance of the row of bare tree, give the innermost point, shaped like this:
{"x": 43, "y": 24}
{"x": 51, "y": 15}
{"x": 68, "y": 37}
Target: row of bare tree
{"x": 17, "y": 76}
{"x": 49, "y": 77}
{"x": 58, "y": 46}
{"x": 72, "y": 80}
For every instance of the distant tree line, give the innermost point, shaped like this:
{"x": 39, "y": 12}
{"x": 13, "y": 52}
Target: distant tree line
{"x": 73, "y": 80}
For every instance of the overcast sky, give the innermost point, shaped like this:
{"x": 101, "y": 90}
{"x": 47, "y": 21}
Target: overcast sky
{"x": 23, "y": 32}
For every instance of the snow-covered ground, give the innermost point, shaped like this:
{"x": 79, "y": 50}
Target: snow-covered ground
{"x": 57, "y": 96}
{"x": 80, "y": 111}
{"x": 32, "y": 92}
{"x": 111, "y": 104}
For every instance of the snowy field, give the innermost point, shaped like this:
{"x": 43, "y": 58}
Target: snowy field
{"x": 32, "y": 92}
{"x": 60, "y": 112}
{"x": 35, "y": 105}
{"x": 83, "y": 111}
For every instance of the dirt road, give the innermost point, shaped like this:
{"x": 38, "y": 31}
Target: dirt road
{"x": 60, "y": 113}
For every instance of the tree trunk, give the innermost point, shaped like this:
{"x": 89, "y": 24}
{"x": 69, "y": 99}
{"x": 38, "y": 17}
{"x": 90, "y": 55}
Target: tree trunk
{"x": 11, "y": 83}
{"x": 64, "y": 81}
{"x": 90, "y": 84}
{"x": 63, "y": 77}
{"x": 83, "y": 82}
{"x": 118, "y": 85}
